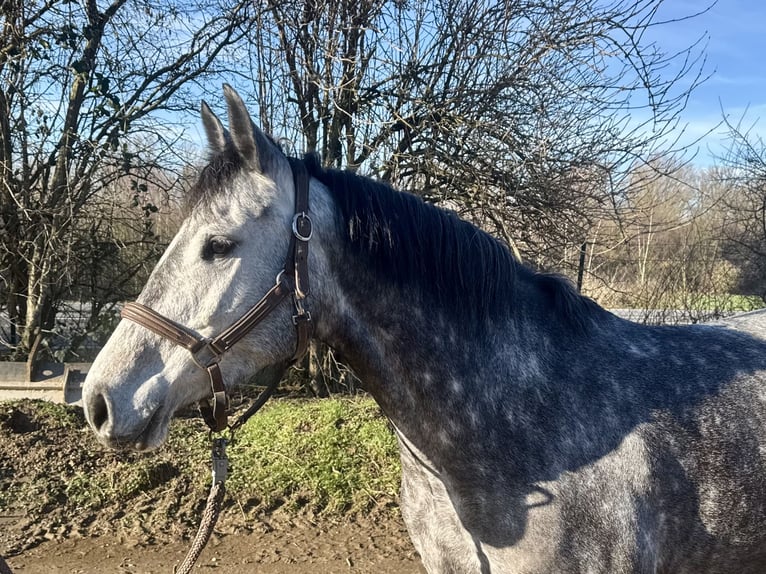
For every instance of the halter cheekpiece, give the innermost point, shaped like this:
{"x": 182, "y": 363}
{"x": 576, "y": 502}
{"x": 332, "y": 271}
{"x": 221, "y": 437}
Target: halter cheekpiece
{"x": 207, "y": 352}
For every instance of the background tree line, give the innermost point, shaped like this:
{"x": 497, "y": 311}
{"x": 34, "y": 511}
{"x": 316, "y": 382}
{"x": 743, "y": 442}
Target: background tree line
{"x": 549, "y": 123}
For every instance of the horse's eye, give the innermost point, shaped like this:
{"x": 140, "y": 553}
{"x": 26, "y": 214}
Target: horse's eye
{"x": 217, "y": 246}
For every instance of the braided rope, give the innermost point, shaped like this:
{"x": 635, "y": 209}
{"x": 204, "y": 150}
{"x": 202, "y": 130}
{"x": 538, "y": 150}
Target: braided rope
{"x": 209, "y": 518}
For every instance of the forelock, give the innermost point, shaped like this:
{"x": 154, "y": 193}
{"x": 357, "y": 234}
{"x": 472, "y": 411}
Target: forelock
{"x": 213, "y": 179}
{"x": 220, "y": 171}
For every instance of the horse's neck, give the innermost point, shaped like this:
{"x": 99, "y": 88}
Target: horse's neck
{"x": 404, "y": 351}
{"x": 442, "y": 385}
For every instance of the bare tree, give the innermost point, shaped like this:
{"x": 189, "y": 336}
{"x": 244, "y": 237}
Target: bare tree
{"x": 666, "y": 254}
{"x": 526, "y": 116}
{"x": 742, "y": 170}
{"x": 82, "y": 91}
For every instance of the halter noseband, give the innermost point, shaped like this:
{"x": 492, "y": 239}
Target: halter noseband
{"x": 207, "y": 351}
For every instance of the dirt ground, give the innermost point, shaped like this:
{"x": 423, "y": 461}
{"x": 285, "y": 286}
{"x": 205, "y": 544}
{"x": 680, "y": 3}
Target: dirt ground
{"x": 47, "y": 525}
{"x": 299, "y": 548}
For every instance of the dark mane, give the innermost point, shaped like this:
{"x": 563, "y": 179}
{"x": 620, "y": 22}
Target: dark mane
{"x": 462, "y": 268}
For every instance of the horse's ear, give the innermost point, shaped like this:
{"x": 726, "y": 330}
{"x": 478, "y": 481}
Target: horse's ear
{"x": 216, "y": 133}
{"x": 252, "y": 145}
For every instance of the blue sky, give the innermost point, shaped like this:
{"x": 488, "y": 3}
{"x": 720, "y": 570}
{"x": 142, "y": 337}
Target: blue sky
{"x": 735, "y": 32}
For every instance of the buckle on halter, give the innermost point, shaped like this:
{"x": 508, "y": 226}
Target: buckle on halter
{"x": 302, "y": 216}
{"x": 301, "y": 314}
{"x": 300, "y": 317}
{"x": 214, "y": 355}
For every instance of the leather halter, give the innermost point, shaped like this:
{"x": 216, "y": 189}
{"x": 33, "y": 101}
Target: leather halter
{"x": 207, "y": 351}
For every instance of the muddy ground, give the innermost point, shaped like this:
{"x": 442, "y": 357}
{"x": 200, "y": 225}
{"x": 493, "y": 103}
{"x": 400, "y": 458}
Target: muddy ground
{"x": 50, "y": 522}
{"x": 295, "y": 547}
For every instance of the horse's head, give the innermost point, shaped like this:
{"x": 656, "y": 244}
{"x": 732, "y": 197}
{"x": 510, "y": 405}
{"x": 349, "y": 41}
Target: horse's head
{"x": 228, "y": 252}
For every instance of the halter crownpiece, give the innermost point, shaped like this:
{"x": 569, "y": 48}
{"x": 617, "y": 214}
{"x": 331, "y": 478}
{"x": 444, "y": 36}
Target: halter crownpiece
{"x": 207, "y": 351}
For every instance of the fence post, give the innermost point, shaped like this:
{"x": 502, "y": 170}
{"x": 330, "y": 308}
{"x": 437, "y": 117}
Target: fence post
{"x": 581, "y": 266}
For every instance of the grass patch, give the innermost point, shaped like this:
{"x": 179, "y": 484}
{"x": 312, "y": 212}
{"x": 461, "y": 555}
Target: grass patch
{"x": 338, "y": 455}
{"x": 721, "y": 302}
{"x": 334, "y": 456}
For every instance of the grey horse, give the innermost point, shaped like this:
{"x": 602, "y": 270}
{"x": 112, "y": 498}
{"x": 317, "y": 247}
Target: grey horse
{"x": 538, "y": 432}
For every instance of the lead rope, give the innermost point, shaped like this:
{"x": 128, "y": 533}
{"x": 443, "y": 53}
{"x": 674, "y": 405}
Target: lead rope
{"x": 220, "y": 463}
{"x": 212, "y": 509}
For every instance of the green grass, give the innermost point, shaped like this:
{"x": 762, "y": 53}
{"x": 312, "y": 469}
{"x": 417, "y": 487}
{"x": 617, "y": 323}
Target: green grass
{"x": 721, "y": 302}
{"x": 745, "y": 303}
{"x": 334, "y": 456}
{"x": 701, "y": 302}
{"x": 338, "y": 455}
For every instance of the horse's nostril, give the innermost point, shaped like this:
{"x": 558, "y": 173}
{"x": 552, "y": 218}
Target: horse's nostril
{"x": 99, "y": 412}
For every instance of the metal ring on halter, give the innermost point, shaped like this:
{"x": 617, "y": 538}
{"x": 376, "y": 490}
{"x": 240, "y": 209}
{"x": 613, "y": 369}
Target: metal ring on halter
{"x": 296, "y": 232}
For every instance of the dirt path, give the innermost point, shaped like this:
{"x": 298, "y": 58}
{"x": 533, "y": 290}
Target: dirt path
{"x": 354, "y": 548}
